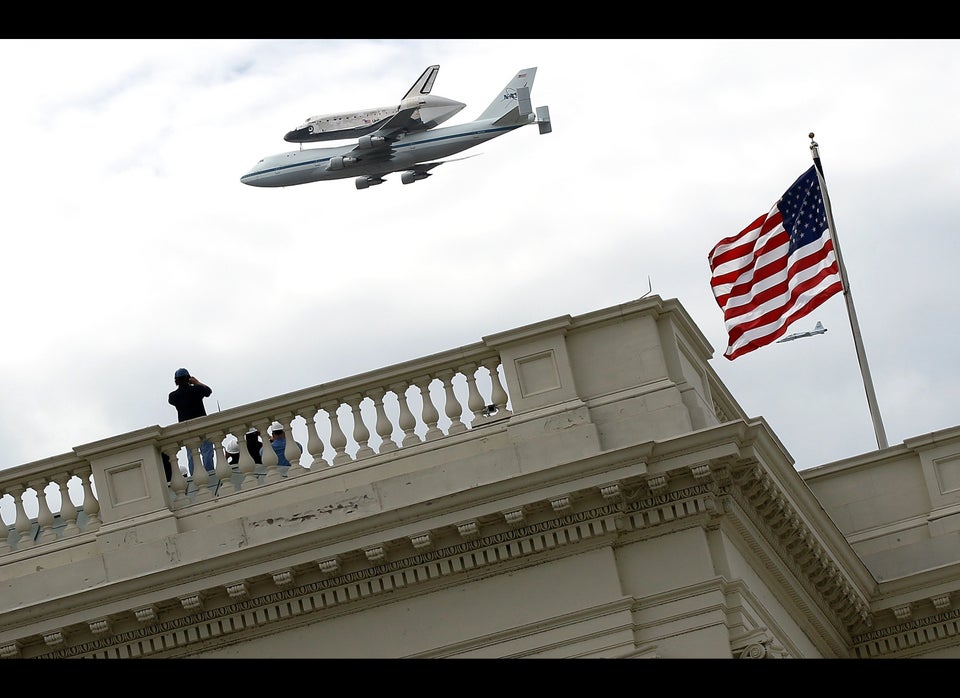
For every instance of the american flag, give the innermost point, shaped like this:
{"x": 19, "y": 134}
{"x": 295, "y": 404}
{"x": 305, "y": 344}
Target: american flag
{"x": 776, "y": 270}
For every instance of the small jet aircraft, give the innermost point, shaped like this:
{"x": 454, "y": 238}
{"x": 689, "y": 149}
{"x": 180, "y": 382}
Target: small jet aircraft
{"x": 819, "y": 329}
{"x": 417, "y": 111}
{"x": 412, "y": 153}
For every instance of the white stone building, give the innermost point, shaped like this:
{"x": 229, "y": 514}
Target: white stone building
{"x": 582, "y": 487}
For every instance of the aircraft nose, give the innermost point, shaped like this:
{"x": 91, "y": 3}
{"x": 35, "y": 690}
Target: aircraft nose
{"x": 250, "y": 177}
{"x": 297, "y": 135}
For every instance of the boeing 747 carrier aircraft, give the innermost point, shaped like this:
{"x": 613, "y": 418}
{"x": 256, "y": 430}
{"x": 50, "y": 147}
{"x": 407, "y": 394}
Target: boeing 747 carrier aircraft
{"x": 413, "y": 154}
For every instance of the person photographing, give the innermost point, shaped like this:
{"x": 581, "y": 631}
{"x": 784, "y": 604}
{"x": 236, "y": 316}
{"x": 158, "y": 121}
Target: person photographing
{"x": 188, "y": 399}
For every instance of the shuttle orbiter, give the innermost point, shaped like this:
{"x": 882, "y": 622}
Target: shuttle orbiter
{"x": 417, "y": 111}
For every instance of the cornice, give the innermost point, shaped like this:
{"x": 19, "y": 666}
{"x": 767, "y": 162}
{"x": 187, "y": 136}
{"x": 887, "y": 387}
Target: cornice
{"x": 552, "y": 522}
{"x": 911, "y": 636}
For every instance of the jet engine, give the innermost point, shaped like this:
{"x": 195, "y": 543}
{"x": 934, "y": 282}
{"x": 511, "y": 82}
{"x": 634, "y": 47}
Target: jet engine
{"x": 409, "y": 177}
{"x": 365, "y": 182}
{"x": 368, "y": 142}
{"x": 339, "y": 162}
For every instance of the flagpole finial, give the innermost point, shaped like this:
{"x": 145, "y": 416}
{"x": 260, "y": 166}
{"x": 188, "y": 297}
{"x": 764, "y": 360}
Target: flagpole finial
{"x": 813, "y": 143}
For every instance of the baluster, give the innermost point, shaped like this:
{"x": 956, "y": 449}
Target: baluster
{"x": 246, "y": 464}
{"x": 290, "y": 450}
{"x": 360, "y": 432}
{"x": 178, "y": 482}
{"x": 338, "y": 440}
{"x": 497, "y": 394}
{"x": 4, "y": 531}
{"x": 475, "y": 401}
{"x": 68, "y": 511}
{"x": 271, "y": 463}
{"x": 201, "y": 478}
{"x": 384, "y": 425}
{"x": 429, "y": 412}
{"x": 44, "y": 515}
{"x": 452, "y": 407}
{"x": 23, "y": 524}
{"x": 222, "y": 468}
{"x": 407, "y": 421}
{"x": 91, "y": 506}
{"x": 315, "y": 446}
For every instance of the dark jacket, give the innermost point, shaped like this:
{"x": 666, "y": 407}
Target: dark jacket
{"x": 253, "y": 446}
{"x": 188, "y": 399}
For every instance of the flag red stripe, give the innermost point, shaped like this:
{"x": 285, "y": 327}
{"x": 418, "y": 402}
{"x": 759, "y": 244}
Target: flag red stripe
{"x": 778, "y": 273}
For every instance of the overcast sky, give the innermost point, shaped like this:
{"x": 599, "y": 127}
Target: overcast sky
{"x": 133, "y": 249}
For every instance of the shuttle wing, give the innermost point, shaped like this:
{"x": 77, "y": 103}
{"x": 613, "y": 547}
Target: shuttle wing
{"x": 403, "y": 121}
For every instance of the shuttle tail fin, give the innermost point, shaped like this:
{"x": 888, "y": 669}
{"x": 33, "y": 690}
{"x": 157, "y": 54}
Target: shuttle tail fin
{"x": 515, "y": 97}
{"x": 424, "y": 83}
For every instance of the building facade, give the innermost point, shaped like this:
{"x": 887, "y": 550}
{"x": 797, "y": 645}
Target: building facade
{"x": 582, "y": 487}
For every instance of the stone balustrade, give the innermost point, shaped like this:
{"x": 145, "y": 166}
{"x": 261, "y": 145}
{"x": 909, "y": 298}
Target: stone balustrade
{"x": 338, "y": 423}
{"x": 54, "y": 515}
{"x": 600, "y": 370}
{"x": 345, "y": 422}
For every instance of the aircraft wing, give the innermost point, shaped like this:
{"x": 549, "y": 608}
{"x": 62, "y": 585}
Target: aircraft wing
{"x": 422, "y": 170}
{"x": 378, "y": 146}
{"x": 399, "y": 124}
{"x": 424, "y": 167}
{"x": 408, "y": 175}
{"x": 374, "y": 153}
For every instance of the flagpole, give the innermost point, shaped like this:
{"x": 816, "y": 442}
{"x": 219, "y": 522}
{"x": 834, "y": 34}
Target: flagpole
{"x": 851, "y": 311}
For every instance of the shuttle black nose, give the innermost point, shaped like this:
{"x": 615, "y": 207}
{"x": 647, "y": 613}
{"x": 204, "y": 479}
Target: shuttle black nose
{"x": 298, "y": 135}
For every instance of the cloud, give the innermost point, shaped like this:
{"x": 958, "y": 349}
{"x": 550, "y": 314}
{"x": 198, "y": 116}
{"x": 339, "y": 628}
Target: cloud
{"x": 134, "y": 249}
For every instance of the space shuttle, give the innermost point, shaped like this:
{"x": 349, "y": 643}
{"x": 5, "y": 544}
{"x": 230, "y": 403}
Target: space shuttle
{"x": 417, "y": 111}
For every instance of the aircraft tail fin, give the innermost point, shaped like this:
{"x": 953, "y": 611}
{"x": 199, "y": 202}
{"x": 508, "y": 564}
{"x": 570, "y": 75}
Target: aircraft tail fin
{"x": 515, "y": 97}
{"x": 424, "y": 83}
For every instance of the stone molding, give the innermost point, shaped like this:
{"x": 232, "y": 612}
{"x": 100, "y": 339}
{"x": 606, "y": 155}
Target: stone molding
{"x": 551, "y": 526}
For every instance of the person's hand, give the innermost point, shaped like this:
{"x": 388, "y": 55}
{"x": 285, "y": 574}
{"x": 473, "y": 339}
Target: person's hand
{"x": 193, "y": 380}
